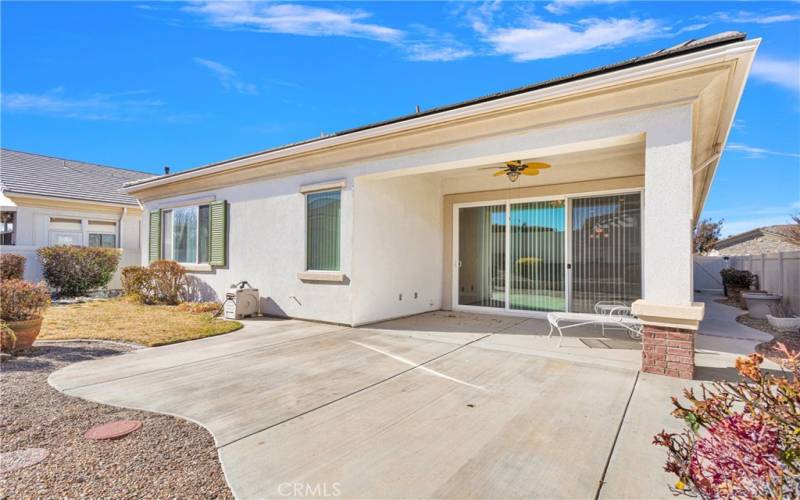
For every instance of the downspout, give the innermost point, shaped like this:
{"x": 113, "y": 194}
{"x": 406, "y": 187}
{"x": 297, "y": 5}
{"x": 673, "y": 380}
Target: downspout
{"x": 119, "y": 226}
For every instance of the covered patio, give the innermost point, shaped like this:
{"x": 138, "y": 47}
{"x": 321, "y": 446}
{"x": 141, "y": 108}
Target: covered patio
{"x": 719, "y": 340}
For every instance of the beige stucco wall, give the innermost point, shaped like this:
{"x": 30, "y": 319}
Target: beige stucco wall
{"x": 266, "y": 246}
{"x": 397, "y": 242}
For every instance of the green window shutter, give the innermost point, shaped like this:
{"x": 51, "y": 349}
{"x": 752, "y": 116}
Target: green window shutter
{"x": 218, "y": 234}
{"x": 155, "y": 235}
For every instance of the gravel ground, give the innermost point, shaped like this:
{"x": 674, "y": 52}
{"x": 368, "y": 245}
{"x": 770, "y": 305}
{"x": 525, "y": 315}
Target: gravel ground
{"x": 770, "y": 348}
{"x": 166, "y": 458}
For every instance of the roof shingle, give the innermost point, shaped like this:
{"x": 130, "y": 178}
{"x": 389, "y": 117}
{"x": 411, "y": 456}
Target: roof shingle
{"x": 28, "y": 173}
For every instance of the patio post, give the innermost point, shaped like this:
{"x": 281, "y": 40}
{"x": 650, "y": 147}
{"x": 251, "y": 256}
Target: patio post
{"x": 670, "y": 317}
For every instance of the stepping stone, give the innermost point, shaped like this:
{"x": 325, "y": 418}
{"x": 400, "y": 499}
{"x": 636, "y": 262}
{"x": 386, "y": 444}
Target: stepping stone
{"x": 13, "y": 460}
{"x": 113, "y": 430}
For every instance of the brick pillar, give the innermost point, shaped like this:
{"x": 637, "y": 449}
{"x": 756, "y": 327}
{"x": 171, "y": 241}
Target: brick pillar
{"x": 668, "y": 351}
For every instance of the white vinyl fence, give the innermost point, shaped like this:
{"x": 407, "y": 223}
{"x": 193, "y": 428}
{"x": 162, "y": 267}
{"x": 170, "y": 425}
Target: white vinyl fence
{"x": 777, "y": 273}
{"x": 706, "y": 273}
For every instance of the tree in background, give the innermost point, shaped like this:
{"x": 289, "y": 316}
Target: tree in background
{"x": 792, "y": 233}
{"x": 706, "y": 235}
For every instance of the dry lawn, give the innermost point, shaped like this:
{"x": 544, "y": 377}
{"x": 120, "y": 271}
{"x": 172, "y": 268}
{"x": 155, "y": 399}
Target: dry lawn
{"x": 123, "y": 320}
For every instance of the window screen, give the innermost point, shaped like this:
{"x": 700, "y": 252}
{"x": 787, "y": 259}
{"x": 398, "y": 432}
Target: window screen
{"x": 323, "y": 230}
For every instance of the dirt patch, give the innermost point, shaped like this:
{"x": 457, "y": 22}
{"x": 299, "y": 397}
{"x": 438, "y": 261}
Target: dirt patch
{"x": 166, "y": 458}
{"x": 769, "y": 349}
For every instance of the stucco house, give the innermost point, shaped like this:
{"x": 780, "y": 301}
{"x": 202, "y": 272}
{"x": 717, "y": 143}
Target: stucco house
{"x": 51, "y": 201}
{"x": 762, "y": 240}
{"x": 436, "y": 210}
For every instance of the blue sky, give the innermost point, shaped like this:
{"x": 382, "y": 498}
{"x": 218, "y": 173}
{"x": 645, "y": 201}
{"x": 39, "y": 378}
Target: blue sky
{"x": 142, "y": 85}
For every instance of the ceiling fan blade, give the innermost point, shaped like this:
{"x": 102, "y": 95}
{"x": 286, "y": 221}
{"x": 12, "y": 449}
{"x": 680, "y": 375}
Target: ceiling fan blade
{"x": 491, "y": 168}
{"x": 496, "y": 174}
{"x": 530, "y": 171}
{"x": 539, "y": 165}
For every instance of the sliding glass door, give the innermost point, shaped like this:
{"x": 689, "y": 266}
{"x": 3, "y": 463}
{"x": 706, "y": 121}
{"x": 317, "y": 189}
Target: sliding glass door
{"x": 536, "y": 273}
{"x": 549, "y": 255}
{"x": 606, "y": 250}
{"x": 482, "y": 254}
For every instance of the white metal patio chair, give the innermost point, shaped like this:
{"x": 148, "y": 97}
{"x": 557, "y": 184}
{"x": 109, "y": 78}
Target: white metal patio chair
{"x": 612, "y": 307}
{"x": 618, "y": 317}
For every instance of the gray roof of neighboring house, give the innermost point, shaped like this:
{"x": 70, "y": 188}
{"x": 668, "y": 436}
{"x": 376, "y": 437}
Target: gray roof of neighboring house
{"x": 28, "y": 173}
{"x": 778, "y": 230}
{"x": 686, "y": 47}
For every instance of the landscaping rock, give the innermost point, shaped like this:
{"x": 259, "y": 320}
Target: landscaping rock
{"x": 13, "y": 460}
{"x": 167, "y": 458}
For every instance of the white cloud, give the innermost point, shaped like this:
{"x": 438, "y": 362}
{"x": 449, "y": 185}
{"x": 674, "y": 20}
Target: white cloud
{"x": 539, "y": 39}
{"x": 123, "y": 106}
{"x": 424, "y": 43}
{"x": 745, "y": 17}
{"x": 755, "y": 152}
{"x": 227, "y": 77}
{"x": 430, "y": 52}
{"x": 293, "y": 19}
{"x": 562, "y": 6}
{"x": 785, "y": 73}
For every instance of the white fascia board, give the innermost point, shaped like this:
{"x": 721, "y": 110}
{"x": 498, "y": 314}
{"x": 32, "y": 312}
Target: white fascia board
{"x": 72, "y": 200}
{"x": 616, "y": 77}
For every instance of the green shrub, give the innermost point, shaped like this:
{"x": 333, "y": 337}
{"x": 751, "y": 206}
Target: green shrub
{"x": 21, "y": 300}
{"x": 164, "y": 282}
{"x": 73, "y": 270}
{"x": 12, "y": 266}
{"x": 737, "y": 278}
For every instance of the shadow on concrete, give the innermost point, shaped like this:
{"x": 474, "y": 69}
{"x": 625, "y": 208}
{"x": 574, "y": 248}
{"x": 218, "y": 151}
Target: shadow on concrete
{"x": 729, "y": 374}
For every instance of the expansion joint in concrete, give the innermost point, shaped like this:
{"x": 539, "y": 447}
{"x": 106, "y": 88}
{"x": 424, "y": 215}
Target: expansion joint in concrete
{"x": 348, "y": 395}
{"x": 616, "y": 438}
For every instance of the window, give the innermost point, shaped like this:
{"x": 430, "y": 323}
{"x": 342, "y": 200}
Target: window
{"x": 190, "y": 234}
{"x": 8, "y": 226}
{"x": 102, "y": 233}
{"x": 102, "y": 240}
{"x": 185, "y": 234}
{"x": 65, "y": 231}
{"x": 323, "y": 210}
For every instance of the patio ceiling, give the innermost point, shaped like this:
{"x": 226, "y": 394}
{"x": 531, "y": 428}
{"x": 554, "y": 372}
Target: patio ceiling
{"x": 612, "y": 162}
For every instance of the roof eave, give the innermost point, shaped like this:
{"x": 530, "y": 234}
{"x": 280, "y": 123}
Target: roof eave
{"x": 561, "y": 89}
{"x": 21, "y": 194}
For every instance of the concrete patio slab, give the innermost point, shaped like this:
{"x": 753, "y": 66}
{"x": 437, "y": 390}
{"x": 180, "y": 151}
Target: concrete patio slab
{"x": 447, "y": 405}
{"x": 438, "y": 322}
{"x": 236, "y": 395}
{"x": 515, "y": 432}
{"x": 258, "y": 334}
{"x": 636, "y": 469}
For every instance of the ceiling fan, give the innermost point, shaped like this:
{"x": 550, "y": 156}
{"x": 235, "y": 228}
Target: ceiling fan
{"x": 513, "y": 169}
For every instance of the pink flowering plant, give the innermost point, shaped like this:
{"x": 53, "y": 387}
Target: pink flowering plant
{"x": 742, "y": 438}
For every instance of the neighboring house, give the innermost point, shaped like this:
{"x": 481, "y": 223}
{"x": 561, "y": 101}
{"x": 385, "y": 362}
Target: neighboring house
{"x": 407, "y": 216}
{"x": 50, "y": 201}
{"x": 769, "y": 239}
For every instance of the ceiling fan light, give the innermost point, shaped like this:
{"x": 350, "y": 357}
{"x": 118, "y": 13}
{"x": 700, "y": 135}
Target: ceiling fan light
{"x": 513, "y": 176}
